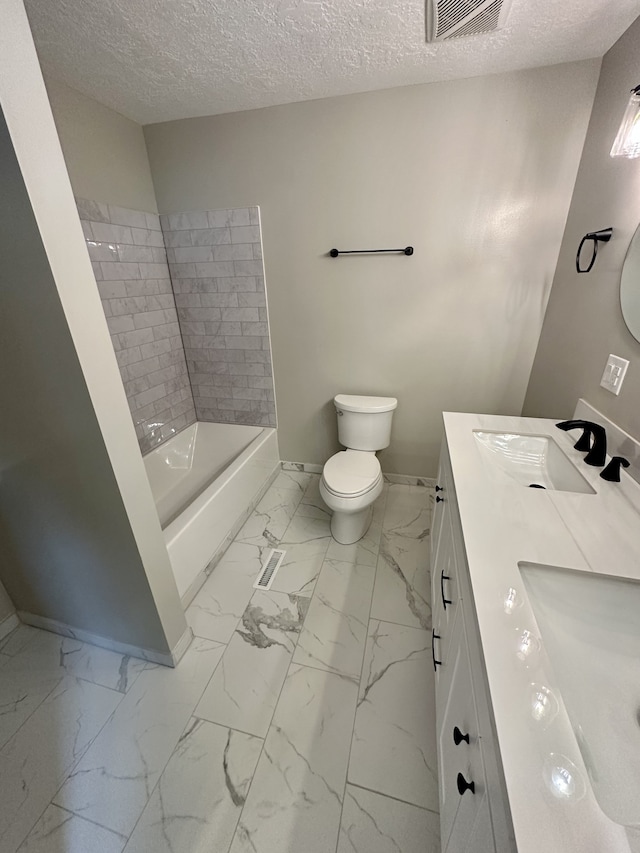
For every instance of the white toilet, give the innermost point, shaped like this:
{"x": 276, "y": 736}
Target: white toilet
{"x": 352, "y": 479}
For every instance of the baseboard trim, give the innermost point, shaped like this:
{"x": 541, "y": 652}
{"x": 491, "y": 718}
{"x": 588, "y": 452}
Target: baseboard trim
{"x": 399, "y": 479}
{"x": 8, "y": 624}
{"x": 151, "y": 655}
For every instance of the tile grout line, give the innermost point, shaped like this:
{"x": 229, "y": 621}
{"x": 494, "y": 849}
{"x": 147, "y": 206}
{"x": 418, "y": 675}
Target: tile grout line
{"x": 391, "y": 797}
{"x": 364, "y": 656}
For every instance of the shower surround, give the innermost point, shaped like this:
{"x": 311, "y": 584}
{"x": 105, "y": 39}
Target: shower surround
{"x": 127, "y": 251}
{"x": 215, "y": 258}
{"x": 184, "y": 297}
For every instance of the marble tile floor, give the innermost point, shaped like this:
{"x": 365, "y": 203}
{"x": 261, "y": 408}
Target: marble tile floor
{"x": 301, "y": 719}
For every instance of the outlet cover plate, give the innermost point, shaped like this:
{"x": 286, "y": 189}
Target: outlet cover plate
{"x": 614, "y": 373}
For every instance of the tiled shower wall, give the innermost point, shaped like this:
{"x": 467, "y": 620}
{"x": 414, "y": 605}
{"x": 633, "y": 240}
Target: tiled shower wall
{"x": 130, "y": 266}
{"x": 217, "y": 271}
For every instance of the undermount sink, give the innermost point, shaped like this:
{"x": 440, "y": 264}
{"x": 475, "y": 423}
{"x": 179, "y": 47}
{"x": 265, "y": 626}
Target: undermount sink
{"x": 591, "y": 632}
{"x": 531, "y": 460}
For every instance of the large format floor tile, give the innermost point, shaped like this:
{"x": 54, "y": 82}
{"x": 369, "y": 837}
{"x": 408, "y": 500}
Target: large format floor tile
{"x": 306, "y": 541}
{"x": 335, "y": 630}
{"x": 215, "y": 611}
{"x": 107, "y": 754}
{"x": 114, "y": 779}
{"x": 244, "y": 690}
{"x": 394, "y": 746}
{"x": 60, "y": 831}
{"x": 197, "y": 802}
{"x": 39, "y": 756}
{"x": 372, "y": 823}
{"x": 295, "y": 799}
{"x": 401, "y": 591}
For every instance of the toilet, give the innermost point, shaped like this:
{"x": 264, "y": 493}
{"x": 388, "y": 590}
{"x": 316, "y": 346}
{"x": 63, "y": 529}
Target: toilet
{"x": 352, "y": 479}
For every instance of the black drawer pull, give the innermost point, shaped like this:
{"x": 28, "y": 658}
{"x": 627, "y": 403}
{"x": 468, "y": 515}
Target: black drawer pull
{"x": 458, "y": 737}
{"x": 444, "y": 578}
{"x": 463, "y": 785}
{"x": 438, "y": 499}
{"x": 436, "y": 663}
{"x": 439, "y": 489}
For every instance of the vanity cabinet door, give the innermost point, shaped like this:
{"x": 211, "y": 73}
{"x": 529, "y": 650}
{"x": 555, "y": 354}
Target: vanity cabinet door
{"x": 465, "y": 821}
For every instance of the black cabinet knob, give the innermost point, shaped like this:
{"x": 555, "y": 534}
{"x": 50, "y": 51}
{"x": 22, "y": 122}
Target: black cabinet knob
{"x": 438, "y": 499}
{"x": 463, "y": 785}
{"x": 458, "y": 737}
{"x": 439, "y": 489}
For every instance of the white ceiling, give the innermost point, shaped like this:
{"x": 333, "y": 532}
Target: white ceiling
{"x": 156, "y": 60}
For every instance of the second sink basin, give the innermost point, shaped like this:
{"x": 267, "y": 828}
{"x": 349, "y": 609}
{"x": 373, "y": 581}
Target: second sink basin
{"x": 531, "y": 460}
{"x": 591, "y": 632}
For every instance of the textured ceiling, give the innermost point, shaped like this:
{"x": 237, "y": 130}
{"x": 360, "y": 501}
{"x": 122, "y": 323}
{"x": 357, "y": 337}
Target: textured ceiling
{"x": 156, "y": 60}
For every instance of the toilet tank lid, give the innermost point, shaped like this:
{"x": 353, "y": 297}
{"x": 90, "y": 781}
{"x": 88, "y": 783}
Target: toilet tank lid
{"x": 366, "y": 405}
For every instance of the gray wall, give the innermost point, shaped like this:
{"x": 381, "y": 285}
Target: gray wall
{"x": 217, "y": 273}
{"x": 104, "y": 151}
{"x": 476, "y": 174}
{"x": 67, "y": 550}
{"x": 129, "y": 261}
{"x": 584, "y": 323}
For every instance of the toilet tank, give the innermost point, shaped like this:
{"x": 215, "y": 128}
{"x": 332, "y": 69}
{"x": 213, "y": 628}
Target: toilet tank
{"x": 364, "y": 423}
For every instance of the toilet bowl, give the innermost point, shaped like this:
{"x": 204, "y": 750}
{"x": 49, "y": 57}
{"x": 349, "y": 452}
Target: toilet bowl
{"x": 352, "y": 479}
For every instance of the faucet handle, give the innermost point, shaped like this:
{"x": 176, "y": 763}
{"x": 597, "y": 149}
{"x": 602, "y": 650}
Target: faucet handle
{"x": 584, "y": 442}
{"x": 612, "y": 471}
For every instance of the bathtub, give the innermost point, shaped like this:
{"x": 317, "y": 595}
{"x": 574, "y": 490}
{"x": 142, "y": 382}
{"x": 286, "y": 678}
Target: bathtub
{"x": 205, "y": 481}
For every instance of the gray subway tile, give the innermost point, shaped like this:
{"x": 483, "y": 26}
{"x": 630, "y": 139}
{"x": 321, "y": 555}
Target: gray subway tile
{"x": 247, "y": 369}
{"x": 119, "y": 271}
{"x": 92, "y": 210}
{"x": 245, "y": 234}
{"x": 211, "y": 237}
{"x": 251, "y": 300}
{"x": 251, "y": 329}
{"x": 125, "y": 216}
{"x": 257, "y": 250}
{"x": 99, "y": 251}
{"x": 219, "y": 300}
{"x": 236, "y": 252}
{"x": 192, "y": 254}
{"x": 237, "y": 284}
{"x": 186, "y": 221}
{"x": 153, "y": 221}
{"x": 107, "y": 233}
{"x": 112, "y": 289}
{"x": 243, "y": 343}
{"x": 126, "y": 252}
{"x": 254, "y": 216}
{"x": 265, "y": 382}
{"x": 239, "y": 216}
{"x": 240, "y": 314}
{"x": 128, "y": 356}
{"x": 218, "y": 218}
{"x": 97, "y": 270}
{"x": 169, "y": 330}
{"x": 247, "y": 268}
{"x": 154, "y": 270}
{"x": 175, "y": 239}
{"x": 155, "y": 348}
{"x": 135, "y": 338}
{"x": 216, "y": 269}
{"x": 147, "y": 237}
{"x": 120, "y": 324}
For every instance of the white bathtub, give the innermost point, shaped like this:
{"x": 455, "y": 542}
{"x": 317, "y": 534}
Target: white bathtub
{"x": 204, "y": 481}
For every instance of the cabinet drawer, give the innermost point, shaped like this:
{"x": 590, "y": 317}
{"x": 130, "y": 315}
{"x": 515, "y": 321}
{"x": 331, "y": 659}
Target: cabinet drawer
{"x": 463, "y": 788}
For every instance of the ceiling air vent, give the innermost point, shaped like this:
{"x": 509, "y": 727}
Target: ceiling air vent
{"x": 449, "y": 19}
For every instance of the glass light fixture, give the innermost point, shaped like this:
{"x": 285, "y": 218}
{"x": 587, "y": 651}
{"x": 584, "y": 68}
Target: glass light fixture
{"x": 627, "y": 142}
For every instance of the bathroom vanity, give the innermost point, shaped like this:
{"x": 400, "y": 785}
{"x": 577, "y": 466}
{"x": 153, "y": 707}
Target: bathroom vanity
{"x": 536, "y": 640}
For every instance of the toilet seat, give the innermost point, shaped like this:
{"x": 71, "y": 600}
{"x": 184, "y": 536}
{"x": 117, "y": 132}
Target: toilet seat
{"x": 351, "y": 473}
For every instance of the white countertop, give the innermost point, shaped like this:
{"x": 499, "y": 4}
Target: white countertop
{"x": 507, "y": 524}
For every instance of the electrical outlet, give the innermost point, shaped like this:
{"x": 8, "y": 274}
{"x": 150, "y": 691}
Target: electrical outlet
{"x": 614, "y": 374}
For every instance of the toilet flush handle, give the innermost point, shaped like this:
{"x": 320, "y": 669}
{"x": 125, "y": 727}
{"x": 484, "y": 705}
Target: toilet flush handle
{"x": 339, "y": 412}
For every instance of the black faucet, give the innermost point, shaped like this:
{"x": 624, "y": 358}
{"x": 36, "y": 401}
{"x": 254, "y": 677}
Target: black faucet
{"x": 597, "y": 454}
{"x": 612, "y": 471}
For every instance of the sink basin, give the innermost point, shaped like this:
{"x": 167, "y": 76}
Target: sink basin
{"x": 591, "y": 631}
{"x": 531, "y": 460}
